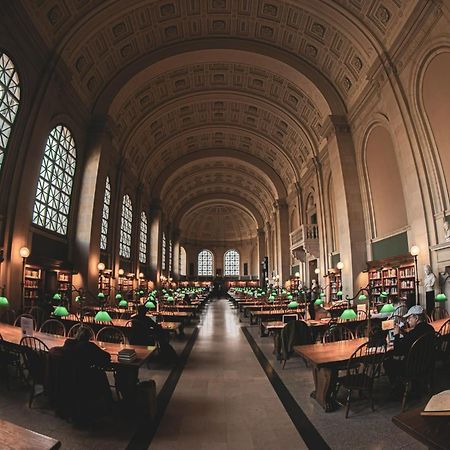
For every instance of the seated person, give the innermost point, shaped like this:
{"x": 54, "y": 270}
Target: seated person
{"x": 143, "y": 328}
{"x": 187, "y": 299}
{"x": 321, "y": 313}
{"x": 404, "y": 339}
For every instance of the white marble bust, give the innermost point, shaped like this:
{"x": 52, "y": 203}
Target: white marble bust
{"x": 429, "y": 279}
{"x": 446, "y": 230}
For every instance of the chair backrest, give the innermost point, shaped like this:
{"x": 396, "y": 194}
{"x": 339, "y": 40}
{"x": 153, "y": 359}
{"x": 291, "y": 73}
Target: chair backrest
{"x": 439, "y": 313}
{"x": 445, "y": 328}
{"x": 17, "y": 322}
{"x": 53, "y": 326}
{"x": 337, "y": 333}
{"x": 361, "y": 330}
{"x": 361, "y": 315}
{"x": 289, "y": 317}
{"x": 37, "y": 313}
{"x": 111, "y": 334}
{"x": 366, "y": 362}
{"x": 421, "y": 355}
{"x": 35, "y": 354}
{"x": 73, "y": 331}
{"x": 7, "y": 315}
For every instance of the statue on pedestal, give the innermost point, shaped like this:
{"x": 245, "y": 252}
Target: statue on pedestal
{"x": 428, "y": 283}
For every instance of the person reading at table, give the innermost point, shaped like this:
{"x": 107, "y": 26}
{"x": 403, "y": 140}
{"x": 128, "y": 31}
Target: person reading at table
{"x": 143, "y": 328}
{"x": 403, "y": 340}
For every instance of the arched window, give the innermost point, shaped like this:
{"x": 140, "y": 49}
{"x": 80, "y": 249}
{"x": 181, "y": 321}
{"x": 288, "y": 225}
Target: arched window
{"x": 126, "y": 227}
{"x": 205, "y": 263}
{"x": 54, "y": 189}
{"x": 9, "y": 101}
{"x": 170, "y": 255}
{"x": 182, "y": 261}
{"x": 163, "y": 252}
{"x": 105, "y": 215}
{"x": 143, "y": 238}
{"x": 231, "y": 263}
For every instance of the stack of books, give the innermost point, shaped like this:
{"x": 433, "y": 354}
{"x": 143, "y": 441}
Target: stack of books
{"x": 126, "y": 355}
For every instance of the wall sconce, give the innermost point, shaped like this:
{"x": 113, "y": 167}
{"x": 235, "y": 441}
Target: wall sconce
{"x": 24, "y": 252}
{"x": 415, "y": 250}
{"x": 340, "y": 266}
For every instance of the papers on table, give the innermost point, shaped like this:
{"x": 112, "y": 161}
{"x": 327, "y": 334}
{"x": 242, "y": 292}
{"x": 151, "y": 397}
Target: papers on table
{"x": 439, "y": 405}
{"x": 26, "y": 324}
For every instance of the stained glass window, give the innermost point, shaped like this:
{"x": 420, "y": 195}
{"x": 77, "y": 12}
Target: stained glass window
{"x": 9, "y": 100}
{"x": 143, "y": 236}
{"x": 105, "y": 215}
{"x": 54, "y": 189}
{"x": 126, "y": 227}
{"x": 205, "y": 263}
{"x": 231, "y": 263}
{"x": 163, "y": 252}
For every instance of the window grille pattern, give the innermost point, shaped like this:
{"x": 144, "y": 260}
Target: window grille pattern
{"x": 231, "y": 263}
{"x": 126, "y": 227}
{"x": 170, "y": 255}
{"x": 54, "y": 189}
{"x": 205, "y": 263}
{"x": 163, "y": 252}
{"x": 143, "y": 237}
{"x": 9, "y": 101}
{"x": 105, "y": 216}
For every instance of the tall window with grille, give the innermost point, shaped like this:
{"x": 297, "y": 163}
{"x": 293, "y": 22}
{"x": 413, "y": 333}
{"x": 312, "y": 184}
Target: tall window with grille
{"x": 105, "y": 216}
{"x": 143, "y": 239}
{"x": 170, "y": 256}
{"x": 54, "y": 190}
{"x": 126, "y": 227}
{"x": 163, "y": 252}
{"x": 205, "y": 263}
{"x": 231, "y": 263}
{"x": 9, "y": 100}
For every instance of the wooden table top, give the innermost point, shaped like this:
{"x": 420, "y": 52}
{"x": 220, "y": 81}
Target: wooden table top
{"x": 433, "y": 431}
{"x": 13, "y": 335}
{"x": 19, "y": 438}
{"x": 329, "y": 353}
{"x": 275, "y": 312}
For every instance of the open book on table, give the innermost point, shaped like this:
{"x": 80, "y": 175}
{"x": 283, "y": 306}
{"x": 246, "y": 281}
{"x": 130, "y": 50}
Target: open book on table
{"x": 439, "y": 405}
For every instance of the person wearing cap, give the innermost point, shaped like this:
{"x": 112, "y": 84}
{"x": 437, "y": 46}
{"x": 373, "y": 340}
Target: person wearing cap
{"x": 417, "y": 326}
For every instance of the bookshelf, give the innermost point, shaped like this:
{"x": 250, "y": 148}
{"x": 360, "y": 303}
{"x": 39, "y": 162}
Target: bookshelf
{"x": 334, "y": 286}
{"x": 32, "y": 284}
{"x": 104, "y": 282}
{"x": 64, "y": 279}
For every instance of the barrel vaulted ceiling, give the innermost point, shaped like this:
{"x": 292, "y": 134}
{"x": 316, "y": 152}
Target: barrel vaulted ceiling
{"x": 218, "y": 104}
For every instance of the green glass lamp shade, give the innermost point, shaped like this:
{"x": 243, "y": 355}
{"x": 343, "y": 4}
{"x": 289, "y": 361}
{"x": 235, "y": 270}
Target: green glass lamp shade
{"x": 123, "y": 303}
{"x": 77, "y": 299}
{"x": 387, "y": 308}
{"x": 103, "y": 316}
{"x": 319, "y": 301}
{"x": 119, "y": 297}
{"x": 57, "y": 296}
{"x": 289, "y": 297}
{"x": 439, "y": 298}
{"x": 141, "y": 293}
{"x": 3, "y": 301}
{"x": 60, "y": 311}
{"x": 293, "y": 305}
{"x": 322, "y": 294}
{"x": 170, "y": 299}
{"x": 348, "y": 314}
{"x": 271, "y": 298}
{"x": 339, "y": 293}
{"x": 150, "y": 305}
{"x": 362, "y": 298}
{"x": 101, "y": 296}
{"x": 384, "y": 294}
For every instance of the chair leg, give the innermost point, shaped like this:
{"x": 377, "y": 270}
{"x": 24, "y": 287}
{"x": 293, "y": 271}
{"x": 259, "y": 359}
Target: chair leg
{"x": 284, "y": 363}
{"x": 347, "y": 408}
{"x": 405, "y": 394}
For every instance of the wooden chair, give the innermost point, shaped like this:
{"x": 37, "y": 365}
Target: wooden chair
{"x": 111, "y": 334}
{"x": 419, "y": 363}
{"x": 73, "y": 331}
{"x": 296, "y": 332}
{"x": 53, "y": 326}
{"x": 38, "y": 315}
{"x": 443, "y": 343}
{"x": 361, "y": 315}
{"x": 337, "y": 333}
{"x": 439, "y": 313}
{"x": 35, "y": 354}
{"x": 362, "y": 369}
{"x": 28, "y": 316}
{"x": 361, "y": 330}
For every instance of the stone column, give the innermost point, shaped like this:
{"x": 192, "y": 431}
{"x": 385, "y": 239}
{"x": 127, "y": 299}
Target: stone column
{"x": 155, "y": 240}
{"x": 261, "y": 242}
{"x": 282, "y": 238}
{"x": 176, "y": 254}
{"x": 350, "y": 220}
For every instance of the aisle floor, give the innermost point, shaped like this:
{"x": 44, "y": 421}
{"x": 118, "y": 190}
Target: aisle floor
{"x": 223, "y": 399}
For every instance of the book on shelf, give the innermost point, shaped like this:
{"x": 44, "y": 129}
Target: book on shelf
{"x": 438, "y": 405}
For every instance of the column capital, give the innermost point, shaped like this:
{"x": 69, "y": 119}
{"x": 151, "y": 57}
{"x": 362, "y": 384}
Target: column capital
{"x": 260, "y": 232}
{"x": 280, "y": 203}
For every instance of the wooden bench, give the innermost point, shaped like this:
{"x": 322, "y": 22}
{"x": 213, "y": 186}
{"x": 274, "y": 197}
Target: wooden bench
{"x": 18, "y": 438}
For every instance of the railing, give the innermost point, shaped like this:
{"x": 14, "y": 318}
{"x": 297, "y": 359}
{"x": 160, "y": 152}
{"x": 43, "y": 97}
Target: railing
{"x": 304, "y": 233}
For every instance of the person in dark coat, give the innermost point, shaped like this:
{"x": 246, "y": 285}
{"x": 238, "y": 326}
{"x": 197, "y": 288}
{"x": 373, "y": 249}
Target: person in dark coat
{"x": 143, "y": 328}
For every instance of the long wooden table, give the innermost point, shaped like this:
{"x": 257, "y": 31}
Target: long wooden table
{"x": 326, "y": 360}
{"x": 13, "y": 335}
{"x": 433, "y": 431}
{"x": 19, "y": 438}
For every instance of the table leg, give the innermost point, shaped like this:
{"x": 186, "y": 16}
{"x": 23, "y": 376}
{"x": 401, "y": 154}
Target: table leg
{"x": 325, "y": 379}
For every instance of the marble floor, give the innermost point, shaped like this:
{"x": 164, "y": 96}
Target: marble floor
{"x": 223, "y": 399}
